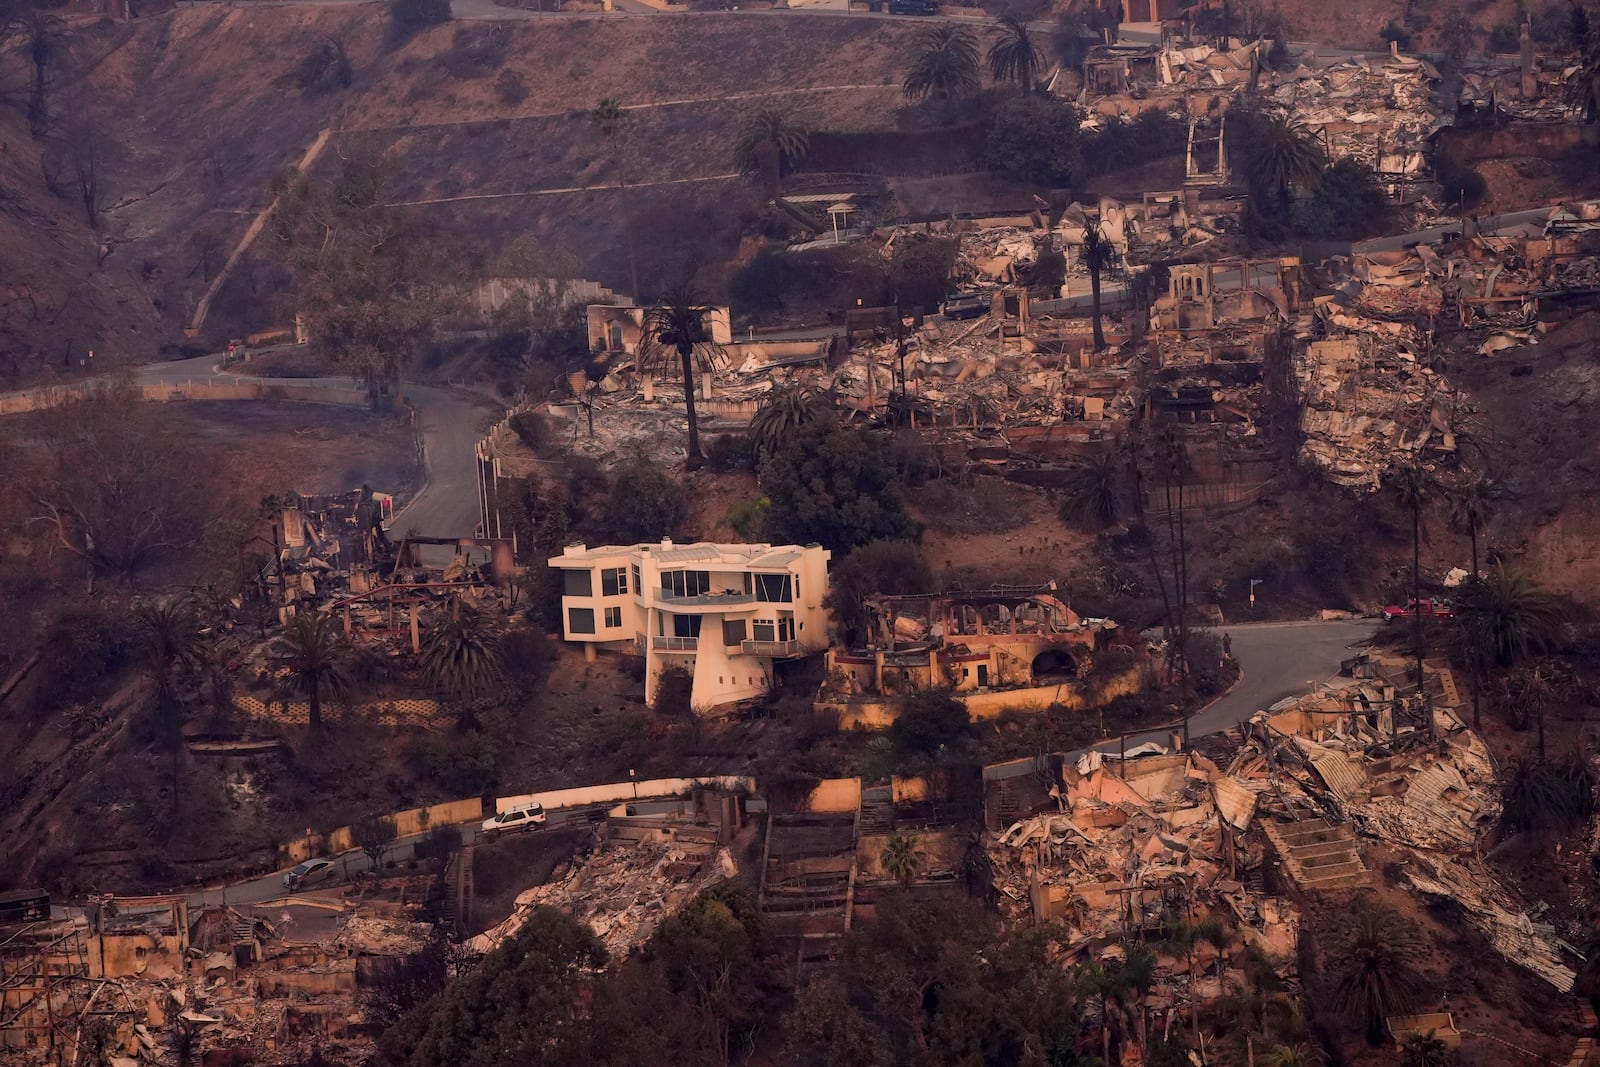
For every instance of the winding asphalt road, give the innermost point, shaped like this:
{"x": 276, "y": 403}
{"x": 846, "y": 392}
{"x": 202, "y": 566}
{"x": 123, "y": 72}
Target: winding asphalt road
{"x": 452, "y": 424}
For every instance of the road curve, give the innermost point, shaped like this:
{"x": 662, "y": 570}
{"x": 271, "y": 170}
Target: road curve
{"x": 1279, "y": 659}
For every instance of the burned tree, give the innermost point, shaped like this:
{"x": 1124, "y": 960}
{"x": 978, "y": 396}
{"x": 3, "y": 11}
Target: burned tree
{"x": 375, "y": 288}
{"x": 110, "y": 487}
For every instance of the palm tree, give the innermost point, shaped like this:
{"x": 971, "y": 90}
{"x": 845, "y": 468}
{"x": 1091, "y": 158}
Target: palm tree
{"x": 1469, "y": 510}
{"x": 1508, "y": 616}
{"x": 1013, "y": 56}
{"x": 1180, "y": 936}
{"x": 1093, "y": 490}
{"x": 781, "y": 416}
{"x": 1425, "y": 1050}
{"x": 1098, "y": 255}
{"x": 1139, "y": 971}
{"x": 1214, "y": 932}
{"x": 678, "y": 325}
{"x": 944, "y": 65}
{"x": 318, "y": 660}
{"x": 1284, "y": 156}
{"x": 1108, "y": 985}
{"x": 169, "y": 658}
{"x": 901, "y": 858}
{"x": 1412, "y": 490}
{"x": 1372, "y": 960}
{"x": 1298, "y": 1055}
{"x": 462, "y": 656}
{"x": 772, "y": 143}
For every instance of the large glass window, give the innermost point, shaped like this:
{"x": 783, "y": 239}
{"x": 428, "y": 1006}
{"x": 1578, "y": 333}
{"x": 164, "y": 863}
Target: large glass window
{"x": 763, "y": 630}
{"x": 637, "y": 584}
{"x": 686, "y": 583}
{"x": 580, "y": 620}
{"x": 686, "y": 626}
{"x": 613, "y": 618}
{"x": 576, "y": 583}
{"x": 773, "y": 588}
{"x": 733, "y": 631}
{"x": 614, "y": 581}
{"x": 785, "y": 627}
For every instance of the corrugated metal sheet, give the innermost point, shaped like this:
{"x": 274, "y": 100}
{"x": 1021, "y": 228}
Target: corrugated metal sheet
{"x": 1235, "y": 803}
{"x": 1343, "y": 776}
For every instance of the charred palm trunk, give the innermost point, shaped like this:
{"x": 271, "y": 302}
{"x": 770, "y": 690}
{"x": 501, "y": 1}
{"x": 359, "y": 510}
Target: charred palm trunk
{"x": 314, "y": 699}
{"x": 1150, "y": 544}
{"x": 696, "y": 458}
{"x": 1094, "y": 307}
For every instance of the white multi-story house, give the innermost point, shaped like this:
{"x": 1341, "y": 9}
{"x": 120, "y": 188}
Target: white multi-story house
{"x": 725, "y": 613}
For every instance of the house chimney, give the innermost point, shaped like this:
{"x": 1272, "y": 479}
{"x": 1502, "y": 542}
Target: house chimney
{"x": 666, "y": 542}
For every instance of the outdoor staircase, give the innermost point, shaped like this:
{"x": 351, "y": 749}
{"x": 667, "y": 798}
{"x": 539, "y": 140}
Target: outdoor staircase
{"x": 1318, "y": 855}
{"x": 458, "y": 891}
{"x": 243, "y": 929}
{"x": 1007, "y": 806}
{"x": 877, "y": 810}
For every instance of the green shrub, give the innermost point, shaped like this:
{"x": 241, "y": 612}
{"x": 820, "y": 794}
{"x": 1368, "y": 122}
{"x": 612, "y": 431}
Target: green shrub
{"x": 644, "y": 504}
{"x": 459, "y": 764}
{"x": 749, "y": 517}
{"x": 531, "y": 429}
{"x": 929, "y": 720}
{"x": 1462, "y": 187}
{"x": 896, "y": 568}
{"x": 1034, "y": 139}
{"x": 835, "y": 487}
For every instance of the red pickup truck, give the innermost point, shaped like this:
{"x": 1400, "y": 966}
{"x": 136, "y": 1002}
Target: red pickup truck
{"x": 1428, "y": 609}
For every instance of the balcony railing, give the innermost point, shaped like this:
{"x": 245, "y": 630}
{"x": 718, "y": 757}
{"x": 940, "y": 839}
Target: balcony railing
{"x": 770, "y": 648}
{"x": 675, "y": 644}
{"x": 705, "y": 600}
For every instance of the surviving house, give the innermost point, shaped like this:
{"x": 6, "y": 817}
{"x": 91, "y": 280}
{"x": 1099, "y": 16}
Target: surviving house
{"x": 724, "y": 613}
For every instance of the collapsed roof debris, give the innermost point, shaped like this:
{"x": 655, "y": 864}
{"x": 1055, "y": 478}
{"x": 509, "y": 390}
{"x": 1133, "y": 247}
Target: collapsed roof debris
{"x": 622, "y": 891}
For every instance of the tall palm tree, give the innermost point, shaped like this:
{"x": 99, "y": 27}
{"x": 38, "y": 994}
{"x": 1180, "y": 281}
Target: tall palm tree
{"x": 1283, "y": 157}
{"x": 944, "y": 65}
{"x": 1013, "y": 56}
{"x": 1135, "y": 460}
{"x": 901, "y": 858}
{"x": 318, "y": 659}
{"x": 462, "y": 655}
{"x": 1093, "y": 490}
{"x": 772, "y": 144}
{"x": 1508, "y": 616}
{"x": 1372, "y": 959}
{"x": 1469, "y": 510}
{"x": 678, "y": 326}
{"x": 781, "y": 416}
{"x": 1412, "y": 490}
{"x": 1180, "y": 937}
{"x": 1098, "y": 255}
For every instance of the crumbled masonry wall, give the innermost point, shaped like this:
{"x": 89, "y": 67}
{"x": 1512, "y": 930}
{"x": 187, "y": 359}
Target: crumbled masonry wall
{"x": 1074, "y": 696}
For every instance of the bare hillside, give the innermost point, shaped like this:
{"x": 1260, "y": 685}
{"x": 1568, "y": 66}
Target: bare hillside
{"x": 191, "y": 114}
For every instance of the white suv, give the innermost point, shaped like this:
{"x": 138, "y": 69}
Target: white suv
{"x": 522, "y": 817}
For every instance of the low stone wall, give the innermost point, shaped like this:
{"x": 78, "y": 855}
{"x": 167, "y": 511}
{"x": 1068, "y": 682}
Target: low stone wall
{"x": 879, "y": 714}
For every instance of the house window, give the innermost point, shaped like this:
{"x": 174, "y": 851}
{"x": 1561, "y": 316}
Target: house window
{"x": 762, "y": 630}
{"x": 613, "y": 618}
{"x": 580, "y": 620}
{"x": 785, "y": 627}
{"x": 577, "y": 583}
{"x": 733, "y": 631}
{"x": 686, "y": 626}
{"x": 686, "y": 583}
{"x": 614, "y": 581}
{"x": 638, "y": 586}
{"x": 773, "y": 588}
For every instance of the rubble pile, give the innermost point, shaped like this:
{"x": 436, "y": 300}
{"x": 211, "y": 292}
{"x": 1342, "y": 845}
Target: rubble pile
{"x": 1378, "y": 111}
{"x": 1125, "y": 841}
{"x": 621, "y": 891}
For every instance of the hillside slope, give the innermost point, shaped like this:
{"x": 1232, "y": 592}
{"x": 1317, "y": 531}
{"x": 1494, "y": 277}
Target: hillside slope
{"x": 194, "y": 112}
